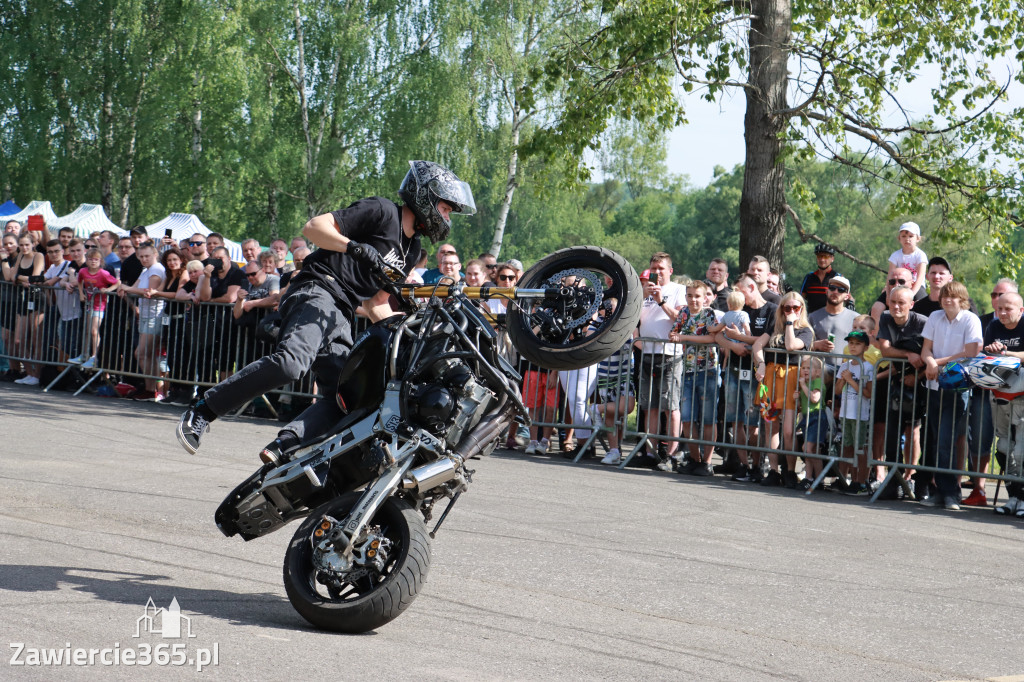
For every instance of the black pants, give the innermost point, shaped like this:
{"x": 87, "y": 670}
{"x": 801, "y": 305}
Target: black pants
{"x": 315, "y": 334}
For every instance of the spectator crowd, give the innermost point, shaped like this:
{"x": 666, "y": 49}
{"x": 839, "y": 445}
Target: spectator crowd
{"x": 777, "y": 383}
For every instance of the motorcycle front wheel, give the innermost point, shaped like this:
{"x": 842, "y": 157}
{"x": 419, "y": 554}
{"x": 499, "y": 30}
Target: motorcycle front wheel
{"x": 595, "y": 317}
{"x": 360, "y": 600}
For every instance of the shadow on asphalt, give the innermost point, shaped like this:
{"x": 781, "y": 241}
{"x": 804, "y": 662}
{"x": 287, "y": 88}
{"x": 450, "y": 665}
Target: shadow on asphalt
{"x": 119, "y": 587}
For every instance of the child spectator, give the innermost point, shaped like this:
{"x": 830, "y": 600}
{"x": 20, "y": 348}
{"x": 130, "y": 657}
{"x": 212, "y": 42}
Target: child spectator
{"x": 854, "y": 384}
{"x": 696, "y": 326}
{"x": 615, "y": 395}
{"x": 866, "y": 324}
{"x": 736, "y": 318}
{"x": 909, "y": 256}
{"x": 94, "y": 283}
{"x": 813, "y": 421}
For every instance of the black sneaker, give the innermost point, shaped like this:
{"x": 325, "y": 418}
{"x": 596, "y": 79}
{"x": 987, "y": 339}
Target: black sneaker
{"x": 840, "y": 485}
{"x": 755, "y": 475}
{"x": 687, "y": 467}
{"x": 642, "y": 461}
{"x": 191, "y": 428}
{"x": 742, "y": 473}
{"x": 273, "y": 455}
{"x": 701, "y": 469}
{"x": 790, "y": 480}
{"x": 773, "y": 479}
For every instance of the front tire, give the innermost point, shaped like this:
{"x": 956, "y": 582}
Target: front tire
{"x": 369, "y": 601}
{"x": 556, "y": 334}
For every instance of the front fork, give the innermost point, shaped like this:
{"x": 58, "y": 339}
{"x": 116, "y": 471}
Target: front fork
{"x": 344, "y": 536}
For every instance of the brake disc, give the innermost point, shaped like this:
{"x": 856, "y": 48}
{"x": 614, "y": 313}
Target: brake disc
{"x": 594, "y": 287}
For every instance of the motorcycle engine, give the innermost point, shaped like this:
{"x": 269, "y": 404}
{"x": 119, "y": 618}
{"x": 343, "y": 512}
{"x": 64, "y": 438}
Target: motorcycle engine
{"x": 451, "y": 402}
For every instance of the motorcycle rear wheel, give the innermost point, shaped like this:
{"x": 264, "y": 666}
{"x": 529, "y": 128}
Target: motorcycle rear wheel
{"x": 563, "y": 349}
{"x": 369, "y": 602}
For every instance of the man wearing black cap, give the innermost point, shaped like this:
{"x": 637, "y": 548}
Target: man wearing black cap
{"x": 815, "y": 286}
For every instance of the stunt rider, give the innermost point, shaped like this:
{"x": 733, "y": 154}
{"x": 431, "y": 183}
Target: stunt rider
{"x": 317, "y": 311}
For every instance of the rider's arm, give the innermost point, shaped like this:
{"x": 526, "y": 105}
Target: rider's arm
{"x": 325, "y": 233}
{"x": 378, "y": 308}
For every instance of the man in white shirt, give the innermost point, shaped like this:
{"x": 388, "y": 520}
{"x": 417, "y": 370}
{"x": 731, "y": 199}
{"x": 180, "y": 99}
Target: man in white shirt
{"x": 951, "y": 333}
{"x": 661, "y": 368}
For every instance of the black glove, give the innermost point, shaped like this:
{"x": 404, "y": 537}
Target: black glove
{"x": 363, "y": 252}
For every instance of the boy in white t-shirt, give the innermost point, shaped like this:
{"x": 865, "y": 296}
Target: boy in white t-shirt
{"x": 854, "y": 384}
{"x": 909, "y": 256}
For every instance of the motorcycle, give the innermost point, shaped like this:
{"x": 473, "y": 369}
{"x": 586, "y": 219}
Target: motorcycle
{"x": 421, "y": 394}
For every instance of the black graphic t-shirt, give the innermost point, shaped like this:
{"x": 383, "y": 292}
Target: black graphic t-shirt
{"x": 375, "y": 221}
{"x": 762, "y": 321}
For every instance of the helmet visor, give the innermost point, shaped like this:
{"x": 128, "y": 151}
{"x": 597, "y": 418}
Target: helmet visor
{"x": 455, "y": 193}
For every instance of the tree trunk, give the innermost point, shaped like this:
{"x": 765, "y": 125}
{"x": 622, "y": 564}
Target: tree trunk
{"x": 197, "y": 153}
{"x": 272, "y": 212}
{"x": 510, "y": 189}
{"x": 763, "y": 202}
{"x": 107, "y": 123}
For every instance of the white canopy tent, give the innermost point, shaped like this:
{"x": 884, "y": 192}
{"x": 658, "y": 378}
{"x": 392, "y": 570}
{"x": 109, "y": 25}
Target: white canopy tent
{"x": 42, "y": 208}
{"x": 85, "y": 220}
{"x": 183, "y": 226}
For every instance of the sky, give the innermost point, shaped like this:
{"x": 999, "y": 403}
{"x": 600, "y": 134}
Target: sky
{"x": 714, "y": 135}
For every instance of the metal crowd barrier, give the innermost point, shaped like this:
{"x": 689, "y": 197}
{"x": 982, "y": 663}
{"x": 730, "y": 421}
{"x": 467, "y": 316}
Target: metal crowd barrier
{"x": 896, "y": 437}
{"x": 623, "y": 400}
{"x": 198, "y": 344}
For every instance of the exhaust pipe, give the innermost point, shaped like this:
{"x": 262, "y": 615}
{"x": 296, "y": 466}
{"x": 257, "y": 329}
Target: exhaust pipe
{"x": 430, "y": 475}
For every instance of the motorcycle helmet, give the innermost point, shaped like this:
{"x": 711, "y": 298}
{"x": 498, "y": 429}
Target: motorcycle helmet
{"x": 424, "y": 186}
{"x": 824, "y": 248}
{"x": 996, "y": 372}
{"x": 953, "y": 377}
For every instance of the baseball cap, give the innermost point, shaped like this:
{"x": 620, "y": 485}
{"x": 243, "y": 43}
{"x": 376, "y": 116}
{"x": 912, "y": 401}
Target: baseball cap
{"x": 910, "y": 227}
{"x": 839, "y": 279}
{"x": 518, "y": 265}
{"x": 939, "y": 260}
{"x": 857, "y": 335}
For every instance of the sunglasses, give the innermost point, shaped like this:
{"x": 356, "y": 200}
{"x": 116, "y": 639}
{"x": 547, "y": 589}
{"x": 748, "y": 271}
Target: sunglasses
{"x": 493, "y": 266}
{"x": 836, "y": 287}
{"x": 252, "y": 274}
{"x": 791, "y": 308}
{"x": 506, "y": 278}
{"x": 996, "y": 294}
{"x": 196, "y": 243}
{"x": 894, "y": 281}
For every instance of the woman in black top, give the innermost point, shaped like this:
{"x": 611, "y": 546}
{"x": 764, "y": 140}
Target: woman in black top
{"x": 173, "y": 330}
{"x": 777, "y": 367}
{"x": 9, "y": 251}
{"x": 23, "y": 273}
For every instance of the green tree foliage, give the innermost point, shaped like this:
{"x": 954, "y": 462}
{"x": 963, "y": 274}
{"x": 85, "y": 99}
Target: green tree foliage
{"x": 819, "y": 78}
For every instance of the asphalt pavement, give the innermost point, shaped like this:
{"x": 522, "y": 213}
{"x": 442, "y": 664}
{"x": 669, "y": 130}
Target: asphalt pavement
{"x": 545, "y": 570}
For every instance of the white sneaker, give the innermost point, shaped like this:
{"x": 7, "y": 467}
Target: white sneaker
{"x": 79, "y": 360}
{"x": 28, "y": 381}
{"x": 613, "y": 458}
{"x": 22, "y": 380}
{"x": 666, "y": 465}
{"x": 543, "y": 447}
{"x": 90, "y": 363}
{"x": 1012, "y": 506}
{"x": 531, "y": 448}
